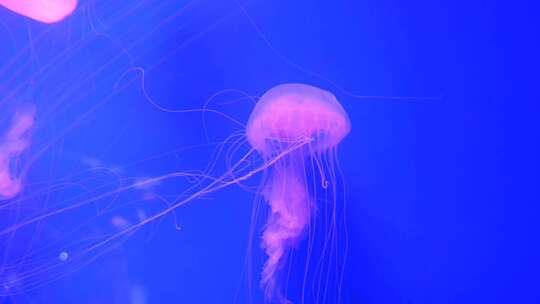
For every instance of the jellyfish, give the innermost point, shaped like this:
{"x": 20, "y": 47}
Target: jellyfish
{"x": 285, "y": 115}
{"x": 14, "y": 142}
{"x": 46, "y": 11}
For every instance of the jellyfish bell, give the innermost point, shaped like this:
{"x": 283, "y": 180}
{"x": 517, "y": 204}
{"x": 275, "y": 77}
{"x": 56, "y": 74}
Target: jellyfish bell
{"x": 286, "y": 115}
{"x": 46, "y": 11}
{"x": 291, "y": 112}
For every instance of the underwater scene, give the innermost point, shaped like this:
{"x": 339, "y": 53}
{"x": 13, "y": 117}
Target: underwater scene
{"x": 249, "y": 151}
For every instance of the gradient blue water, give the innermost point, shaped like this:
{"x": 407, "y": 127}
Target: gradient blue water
{"x": 441, "y": 192}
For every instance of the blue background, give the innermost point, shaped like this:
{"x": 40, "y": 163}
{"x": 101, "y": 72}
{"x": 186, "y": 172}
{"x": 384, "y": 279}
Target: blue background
{"x": 442, "y": 192}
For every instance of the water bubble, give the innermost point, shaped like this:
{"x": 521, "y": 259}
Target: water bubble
{"x": 63, "y": 256}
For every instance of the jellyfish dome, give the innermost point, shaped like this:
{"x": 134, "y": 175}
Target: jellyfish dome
{"x": 292, "y": 112}
{"x": 46, "y": 11}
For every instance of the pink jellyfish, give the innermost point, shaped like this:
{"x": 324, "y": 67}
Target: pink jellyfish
{"x": 284, "y": 116}
{"x": 46, "y": 11}
{"x": 12, "y": 144}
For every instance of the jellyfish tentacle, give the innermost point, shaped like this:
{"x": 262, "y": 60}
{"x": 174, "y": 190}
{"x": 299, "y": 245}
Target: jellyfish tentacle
{"x": 287, "y": 221}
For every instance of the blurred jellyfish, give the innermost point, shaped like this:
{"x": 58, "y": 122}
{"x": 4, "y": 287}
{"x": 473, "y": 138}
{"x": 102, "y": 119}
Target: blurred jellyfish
{"x": 46, "y": 11}
{"x": 284, "y": 116}
{"x": 14, "y": 142}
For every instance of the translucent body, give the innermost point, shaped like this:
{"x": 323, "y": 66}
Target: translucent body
{"x": 47, "y": 11}
{"x": 285, "y": 116}
{"x": 12, "y": 144}
{"x": 290, "y": 112}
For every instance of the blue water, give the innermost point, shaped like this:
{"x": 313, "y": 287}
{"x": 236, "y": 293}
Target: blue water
{"x": 440, "y": 168}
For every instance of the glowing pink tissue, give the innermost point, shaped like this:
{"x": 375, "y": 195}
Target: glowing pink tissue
{"x": 46, "y": 11}
{"x": 15, "y": 141}
{"x": 288, "y": 116}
